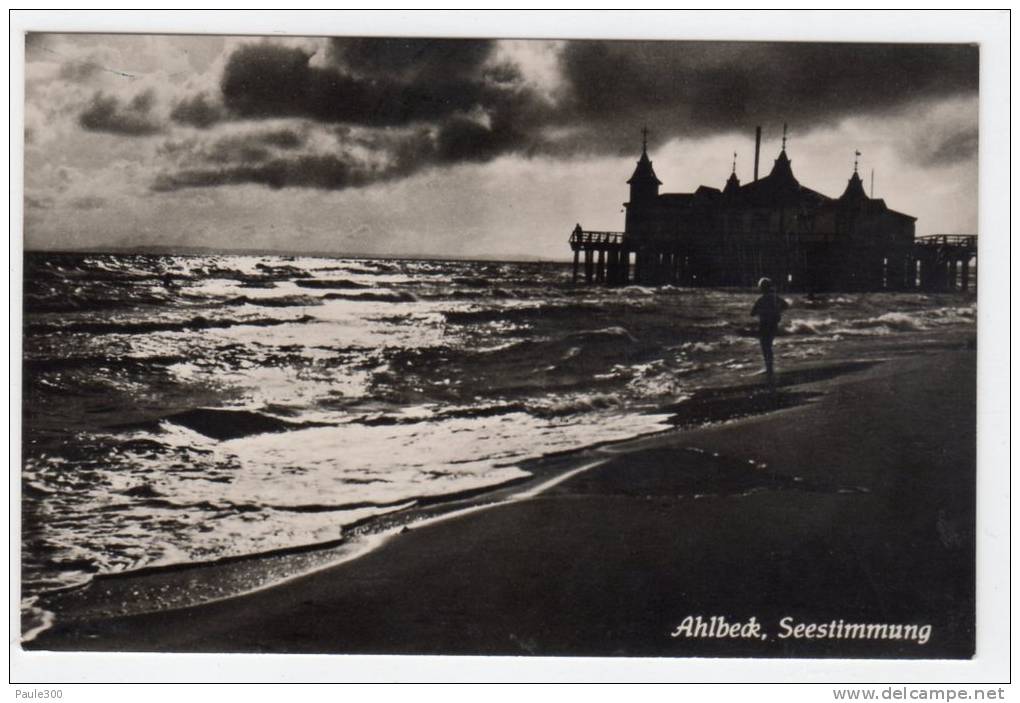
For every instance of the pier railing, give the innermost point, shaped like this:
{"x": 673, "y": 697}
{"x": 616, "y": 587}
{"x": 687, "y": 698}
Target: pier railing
{"x": 582, "y": 237}
{"x": 962, "y": 241}
{"x": 966, "y": 241}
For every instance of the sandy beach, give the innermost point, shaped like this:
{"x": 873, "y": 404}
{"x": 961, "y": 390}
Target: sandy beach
{"x": 849, "y": 497}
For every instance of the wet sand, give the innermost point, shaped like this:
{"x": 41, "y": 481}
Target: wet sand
{"x": 851, "y": 496}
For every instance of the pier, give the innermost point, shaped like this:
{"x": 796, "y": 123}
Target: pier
{"x": 775, "y": 227}
{"x": 935, "y": 263}
{"x": 942, "y": 262}
{"x": 606, "y": 256}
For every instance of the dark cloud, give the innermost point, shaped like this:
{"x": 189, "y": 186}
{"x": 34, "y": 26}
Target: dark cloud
{"x": 411, "y": 59}
{"x": 261, "y": 158}
{"x": 462, "y": 139}
{"x": 175, "y": 149}
{"x": 944, "y": 148}
{"x": 105, "y": 113}
{"x": 235, "y": 149}
{"x": 702, "y": 88}
{"x": 414, "y": 104}
{"x": 266, "y": 80}
{"x": 251, "y": 148}
{"x": 328, "y": 172}
{"x": 281, "y": 138}
{"x": 197, "y": 111}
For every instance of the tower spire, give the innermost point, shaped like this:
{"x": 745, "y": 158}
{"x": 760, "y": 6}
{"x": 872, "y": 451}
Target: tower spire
{"x": 784, "y": 136}
{"x": 732, "y": 186}
{"x": 854, "y": 192}
{"x": 644, "y": 186}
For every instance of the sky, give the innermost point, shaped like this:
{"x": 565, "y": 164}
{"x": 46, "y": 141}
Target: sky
{"x": 479, "y": 148}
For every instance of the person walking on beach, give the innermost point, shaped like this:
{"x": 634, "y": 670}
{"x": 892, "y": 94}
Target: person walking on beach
{"x": 769, "y": 310}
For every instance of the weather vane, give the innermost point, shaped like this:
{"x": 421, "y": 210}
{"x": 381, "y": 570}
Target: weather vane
{"x": 734, "y": 162}
{"x": 784, "y": 136}
{"x": 644, "y": 138}
{"x": 857, "y": 155}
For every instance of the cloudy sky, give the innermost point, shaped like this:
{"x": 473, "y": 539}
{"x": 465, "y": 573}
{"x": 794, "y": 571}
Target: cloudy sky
{"x": 463, "y": 147}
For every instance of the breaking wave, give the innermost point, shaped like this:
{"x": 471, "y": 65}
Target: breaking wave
{"x": 880, "y": 324}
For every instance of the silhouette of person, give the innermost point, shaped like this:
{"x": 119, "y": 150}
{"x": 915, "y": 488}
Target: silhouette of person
{"x": 769, "y": 310}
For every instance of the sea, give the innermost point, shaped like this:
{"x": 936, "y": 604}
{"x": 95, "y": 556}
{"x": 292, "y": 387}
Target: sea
{"x": 186, "y": 409}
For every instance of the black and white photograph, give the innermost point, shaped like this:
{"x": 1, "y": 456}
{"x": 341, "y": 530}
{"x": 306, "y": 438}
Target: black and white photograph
{"x": 339, "y": 343}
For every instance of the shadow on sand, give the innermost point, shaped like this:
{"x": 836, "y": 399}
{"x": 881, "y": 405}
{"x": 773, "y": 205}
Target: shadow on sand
{"x": 713, "y": 405}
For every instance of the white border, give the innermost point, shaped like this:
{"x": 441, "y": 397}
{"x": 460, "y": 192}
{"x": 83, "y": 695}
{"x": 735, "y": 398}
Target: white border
{"x": 991, "y": 30}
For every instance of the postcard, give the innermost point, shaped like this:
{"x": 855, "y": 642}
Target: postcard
{"x": 426, "y": 345}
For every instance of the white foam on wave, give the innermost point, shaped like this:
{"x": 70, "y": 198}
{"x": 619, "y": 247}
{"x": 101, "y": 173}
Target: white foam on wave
{"x": 34, "y": 619}
{"x": 881, "y": 324}
{"x": 700, "y": 346}
{"x": 898, "y": 321}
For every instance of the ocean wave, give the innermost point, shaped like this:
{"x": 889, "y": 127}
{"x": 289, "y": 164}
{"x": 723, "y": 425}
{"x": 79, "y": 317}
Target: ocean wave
{"x": 898, "y": 321}
{"x": 265, "y": 273}
{"x": 550, "y": 408}
{"x": 821, "y": 302}
{"x": 700, "y": 346}
{"x": 366, "y": 266}
{"x": 144, "y": 490}
{"x": 472, "y": 281}
{"x": 880, "y": 324}
{"x": 390, "y": 297}
{"x": 965, "y": 314}
{"x": 223, "y": 423}
{"x": 575, "y": 354}
{"x": 278, "y": 302}
{"x": 78, "y": 268}
{"x": 94, "y": 299}
{"x": 34, "y": 620}
{"x": 605, "y": 334}
{"x": 545, "y": 407}
{"x": 810, "y": 325}
{"x": 281, "y": 272}
{"x": 327, "y": 283}
{"x": 493, "y": 293}
{"x": 528, "y": 312}
{"x": 47, "y": 364}
{"x": 138, "y": 327}
{"x": 639, "y": 290}
{"x": 463, "y": 413}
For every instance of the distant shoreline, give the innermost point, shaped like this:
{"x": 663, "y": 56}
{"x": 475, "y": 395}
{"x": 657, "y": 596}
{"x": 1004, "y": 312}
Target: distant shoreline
{"x": 212, "y": 251}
